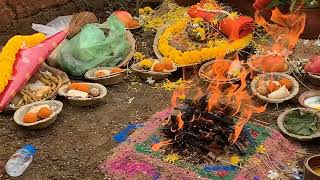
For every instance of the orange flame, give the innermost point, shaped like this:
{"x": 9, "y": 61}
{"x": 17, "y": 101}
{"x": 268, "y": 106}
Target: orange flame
{"x": 244, "y": 118}
{"x": 179, "y": 93}
{"x": 285, "y": 33}
{"x": 180, "y": 122}
{"x": 156, "y": 147}
{"x": 235, "y": 96}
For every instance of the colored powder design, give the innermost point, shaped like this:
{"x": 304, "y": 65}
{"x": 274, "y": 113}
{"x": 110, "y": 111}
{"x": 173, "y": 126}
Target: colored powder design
{"x": 134, "y": 158}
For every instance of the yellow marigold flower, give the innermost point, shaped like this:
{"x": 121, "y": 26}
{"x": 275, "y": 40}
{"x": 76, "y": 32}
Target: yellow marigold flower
{"x": 261, "y": 149}
{"x": 215, "y": 48}
{"x": 233, "y": 15}
{"x": 148, "y": 9}
{"x": 196, "y": 20}
{"x": 141, "y": 11}
{"x": 235, "y": 159}
{"x": 172, "y": 158}
{"x": 146, "y": 63}
{"x": 138, "y": 56}
{"x": 9, "y": 51}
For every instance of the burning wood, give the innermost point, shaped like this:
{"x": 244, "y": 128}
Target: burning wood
{"x": 207, "y": 124}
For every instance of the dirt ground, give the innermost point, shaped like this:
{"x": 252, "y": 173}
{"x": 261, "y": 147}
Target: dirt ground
{"x": 81, "y": 138}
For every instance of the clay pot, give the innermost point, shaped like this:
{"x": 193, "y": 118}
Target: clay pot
{"x": 312, "y": 28}
{"x": 311, "y": 163}
{"x": 186, "y": 2}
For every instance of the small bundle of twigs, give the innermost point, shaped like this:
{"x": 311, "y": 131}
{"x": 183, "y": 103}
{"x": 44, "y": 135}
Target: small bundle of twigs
{"x": 78, "y": 21}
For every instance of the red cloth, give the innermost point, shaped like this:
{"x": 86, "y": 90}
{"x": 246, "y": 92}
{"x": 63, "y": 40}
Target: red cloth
{"x": 236, "y": 28}
{"x": 27, "y": 63}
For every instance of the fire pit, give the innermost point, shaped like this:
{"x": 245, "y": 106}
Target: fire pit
{"x": 210, "y": 125}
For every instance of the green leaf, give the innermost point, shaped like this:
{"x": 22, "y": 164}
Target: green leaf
{"x": 301, "y": 123}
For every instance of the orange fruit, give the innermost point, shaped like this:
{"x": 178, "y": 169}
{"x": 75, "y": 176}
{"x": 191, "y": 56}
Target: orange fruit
{"x": 116, "y": 70}
{"x": 272, "y": 86}
{"x": 100, "y": 74}
{"x": 80, "y": 87}
{"x": 286, "y": 82}
{"x": 30, "y": 117}
{"x": 44, "y": 113}
{"x": 168, "y": 65}
{"x": 159, "y": 67}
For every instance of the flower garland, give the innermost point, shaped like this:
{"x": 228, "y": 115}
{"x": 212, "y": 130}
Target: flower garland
{"x": 9, "y": 51}
{"x": 216, "y": 48}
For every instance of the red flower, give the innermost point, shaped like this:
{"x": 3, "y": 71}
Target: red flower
{"x": 260, "y": 4}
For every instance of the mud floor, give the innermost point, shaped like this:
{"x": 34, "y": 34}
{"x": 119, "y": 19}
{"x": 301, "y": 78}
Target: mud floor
{"x": 80, "y": 139}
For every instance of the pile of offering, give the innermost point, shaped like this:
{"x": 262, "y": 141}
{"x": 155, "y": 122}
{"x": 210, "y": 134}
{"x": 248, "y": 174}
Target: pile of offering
{"x": 199, "y": 30}
{"x": 211, "y": 31}
{"x": 43, "y": 85}
{"x": 302, "y": 123}
{"x": 107, "y": 72}
{"x": 127, "y": 19}
{"x": 221, "y": 70}
{"x": 156, "y": 66}
{"x": 38, "y": 113}
{"x": 82, "y": 90}
{"x": 275, "y": 89}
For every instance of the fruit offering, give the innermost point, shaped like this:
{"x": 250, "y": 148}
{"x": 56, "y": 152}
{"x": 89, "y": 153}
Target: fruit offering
{"x": 157, "y": 66}
{"x": 107, "y": 72}
{"x": 37, "y": 114}
{"x": 82, "y": 90}
{"x": 275, "y": 89}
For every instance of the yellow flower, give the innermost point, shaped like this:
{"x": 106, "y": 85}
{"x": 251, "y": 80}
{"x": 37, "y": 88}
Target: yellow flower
{"x": 172, "y": 158}
{"x": 146, "y": 63}
{"x": 138, "y": 56}
{"x": 196, "y": 20}
{"x": 261, "y": 149}
{"x": 233, "y": 15}
{"x": 234, "y": 159}
{"x": 141, "y": 11}
{"x": 174, "y": 14}
{"x": 214, "y": 49}
{"x": 9, "y": 51}
{"x": 148, "y": 9}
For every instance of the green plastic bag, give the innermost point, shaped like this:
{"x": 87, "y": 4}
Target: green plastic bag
{"x": 96, "y": 45}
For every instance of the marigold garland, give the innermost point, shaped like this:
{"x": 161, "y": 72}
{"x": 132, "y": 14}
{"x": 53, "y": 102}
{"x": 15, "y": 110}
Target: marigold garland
{"x": 216, "y": 48}
{"x": 9, "y": 51}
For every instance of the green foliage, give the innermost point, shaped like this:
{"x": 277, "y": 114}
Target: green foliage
{"x": 301, "y": 123}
